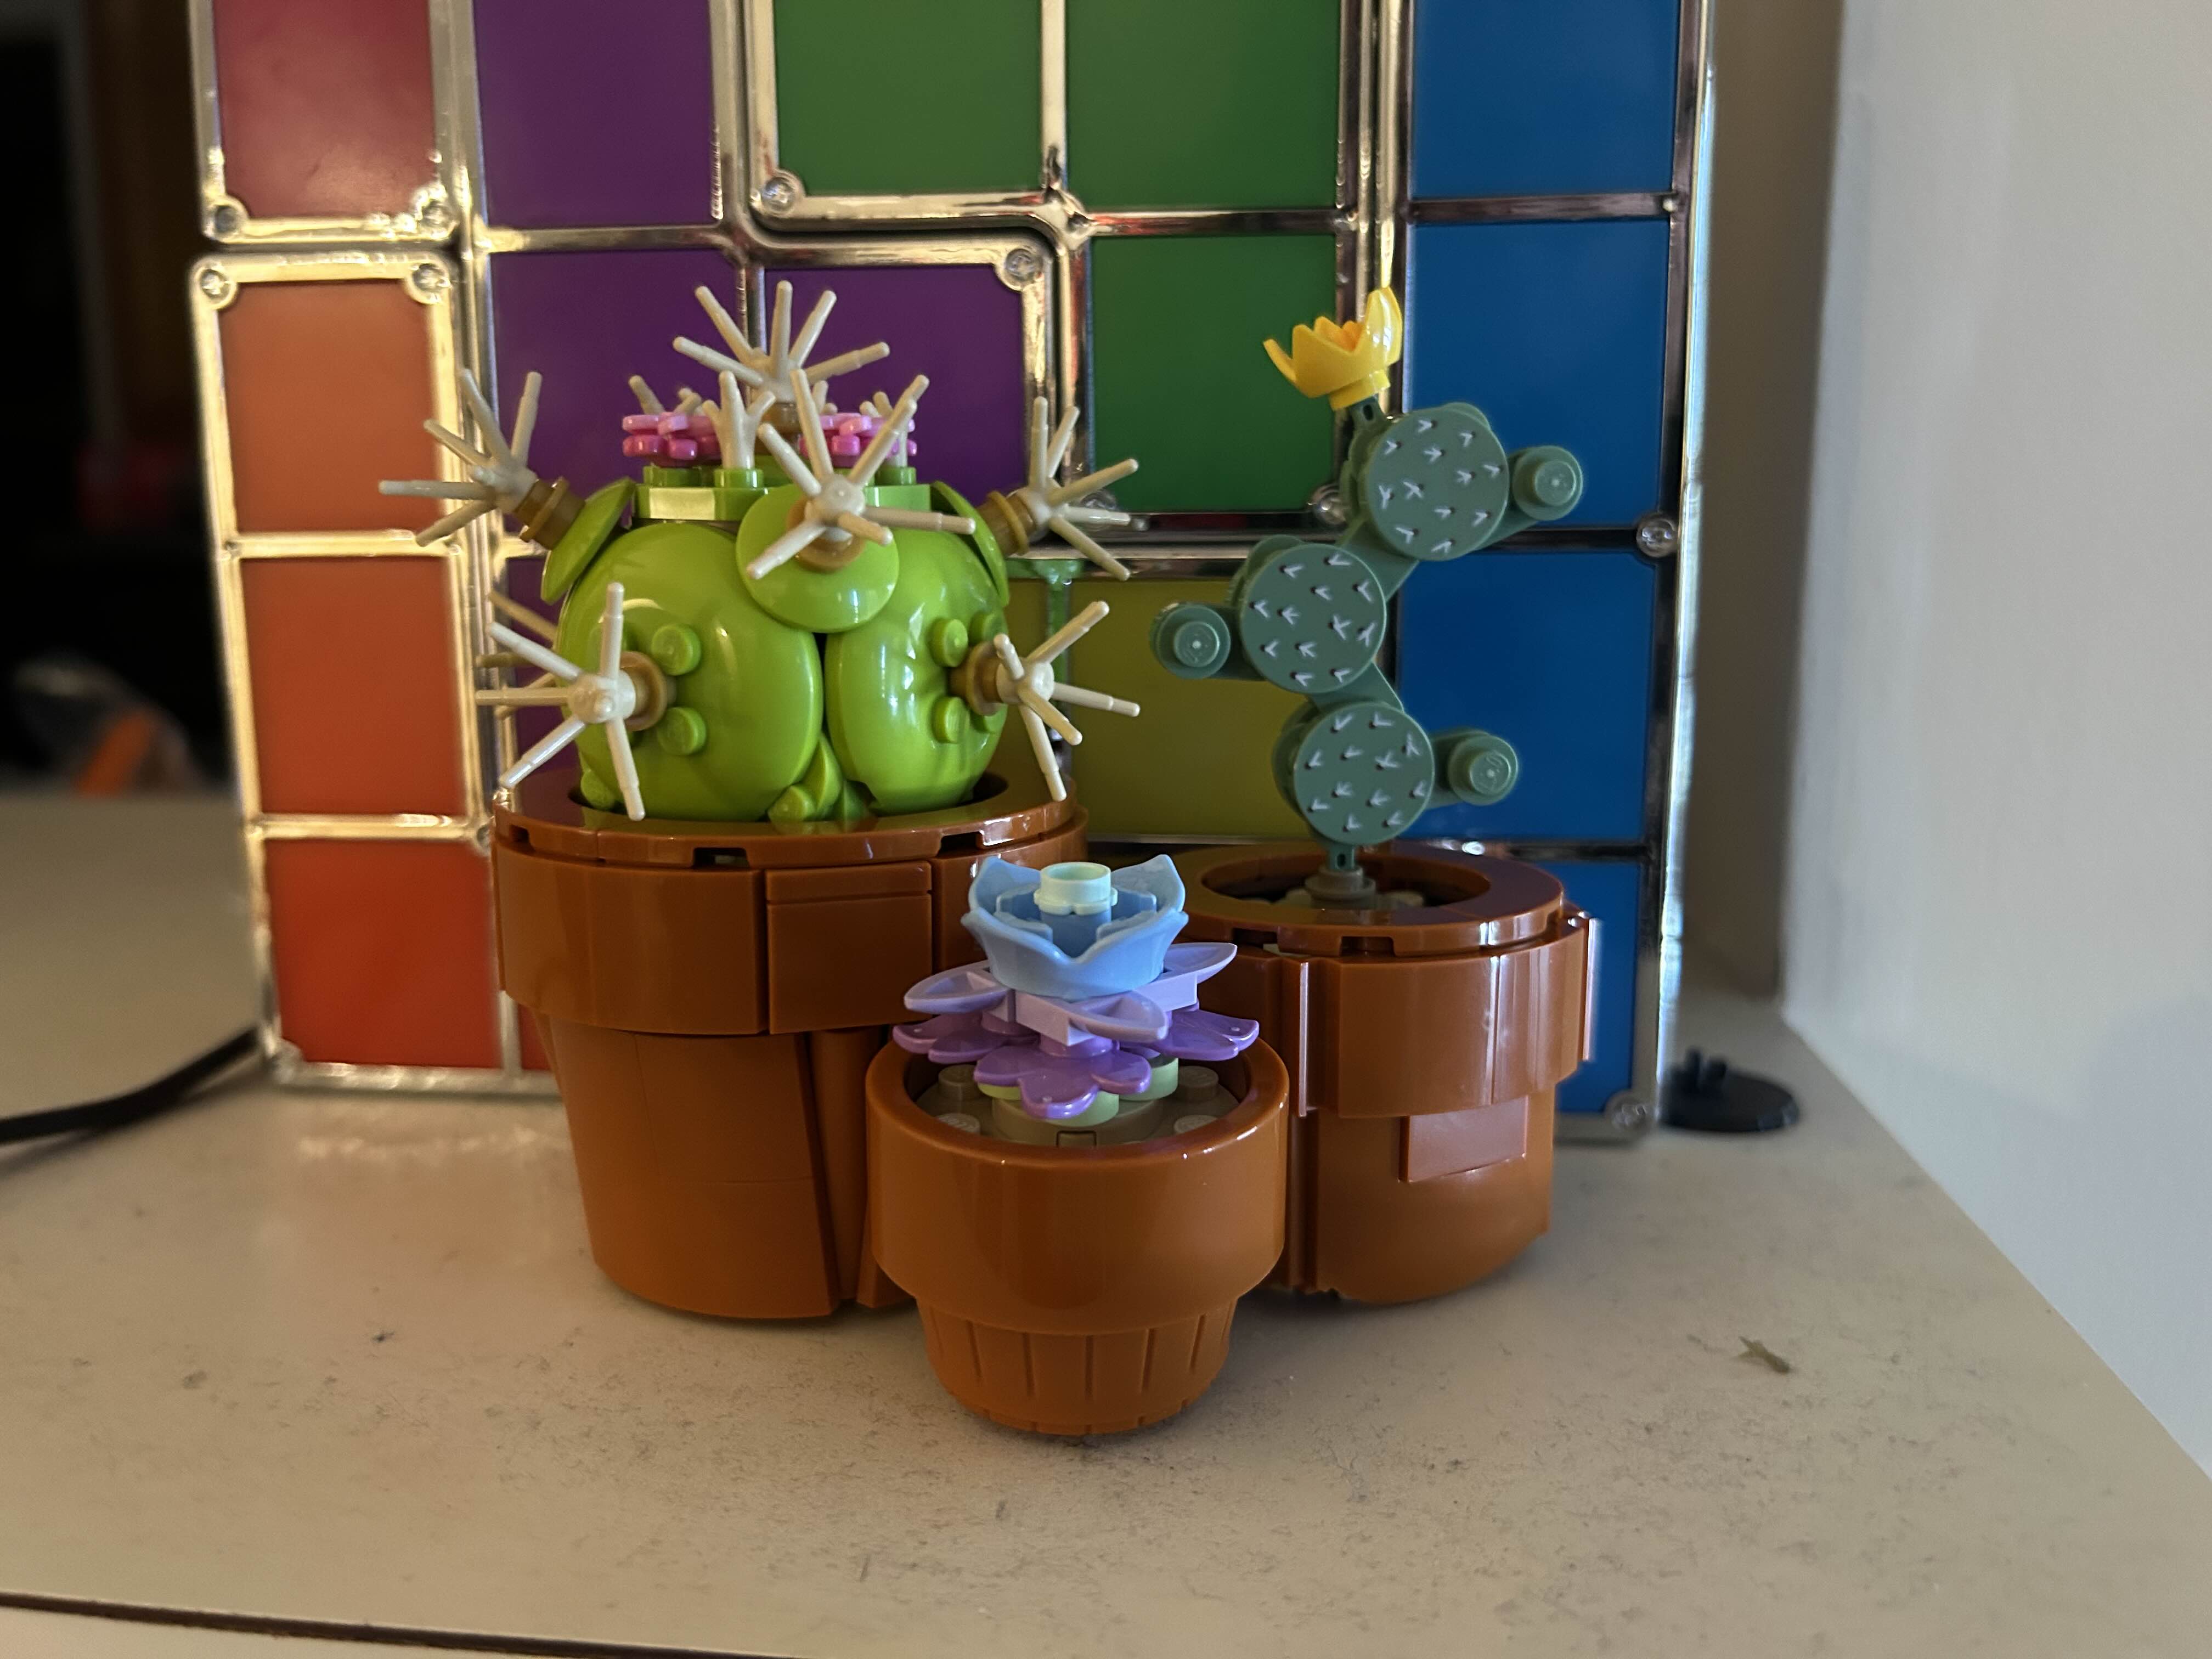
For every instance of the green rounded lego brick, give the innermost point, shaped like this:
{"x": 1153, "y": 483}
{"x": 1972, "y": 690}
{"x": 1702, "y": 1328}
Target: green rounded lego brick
{"x": 1547, "y": 482}
{"x": 566, "y": 559}
{"x": 885, "y": 686}
{"x": 1358, "y": 774}
{"x": 1310, "y": 617}
{"x": 1192, "y": 642}
{"x": 819, "y": 601}
{"x": 944, "y": 498}
{"x": 755, "y": 690}
{"x": 1436, "y": 483}
{"x": 1478, "y": 767}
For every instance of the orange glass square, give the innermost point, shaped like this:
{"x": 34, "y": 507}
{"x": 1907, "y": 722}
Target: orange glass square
{"x": 327, "y": 385}
{"x": 382, "y": 951}
{"x": 354, "y": 685}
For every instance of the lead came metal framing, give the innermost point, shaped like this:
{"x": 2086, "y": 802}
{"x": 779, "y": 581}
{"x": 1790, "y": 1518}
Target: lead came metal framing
{"x": 1038, "y": 242}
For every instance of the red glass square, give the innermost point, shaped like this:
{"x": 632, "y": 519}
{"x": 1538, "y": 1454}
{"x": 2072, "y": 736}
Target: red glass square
{"x": 326, "y": 110}
{"x": 383, "y": 951}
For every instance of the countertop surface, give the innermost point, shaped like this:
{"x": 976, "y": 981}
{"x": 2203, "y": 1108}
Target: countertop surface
{"x": 344, "y": 1359}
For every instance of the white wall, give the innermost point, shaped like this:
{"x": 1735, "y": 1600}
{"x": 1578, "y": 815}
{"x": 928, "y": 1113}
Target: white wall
{"x": 1774, "y": 66}
{"x": 1999, "y": 921}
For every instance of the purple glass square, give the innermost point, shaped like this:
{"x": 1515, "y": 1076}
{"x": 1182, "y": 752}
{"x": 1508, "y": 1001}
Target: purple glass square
{"x": 960, "y": 325}
{"x": 595, "y": 114}
{"x": 588, "y": 322}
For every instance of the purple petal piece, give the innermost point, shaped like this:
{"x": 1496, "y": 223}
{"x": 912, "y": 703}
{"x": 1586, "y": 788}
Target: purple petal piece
{"x": 948, "y": 1039}
{"x": 1195, "y": 1034}
{"x": 1056, "y": 1091}
{"x": 1004, "y": 1067}
{"x": 1083, "y": 1043}
{"x": 1120, "y": 1073}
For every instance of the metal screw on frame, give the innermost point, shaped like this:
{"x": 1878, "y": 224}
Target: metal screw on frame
{"x": 1658, "y": 537}
{"x": 226, "y": 220}
{"x": 779, "y": 192}
{"x": 1022, "y": 266}
{"x": 1328, "y": 507}
{"x": 214, "y": 285}
{"x": 428, "y": 279}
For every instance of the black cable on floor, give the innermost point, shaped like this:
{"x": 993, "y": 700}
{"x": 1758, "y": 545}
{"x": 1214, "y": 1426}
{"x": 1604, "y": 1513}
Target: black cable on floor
{"x": 139, "y": 1104}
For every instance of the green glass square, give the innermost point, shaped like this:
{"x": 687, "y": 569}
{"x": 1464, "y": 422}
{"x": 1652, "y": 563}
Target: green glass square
{"x": 1198, "y": 761}
{"x": 1202, "y": 103}
{"x": 889, "y": 97}
{"x": 1180, "y": 380}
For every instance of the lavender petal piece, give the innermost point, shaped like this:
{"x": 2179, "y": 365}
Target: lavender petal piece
{"x": 964, "y": 990}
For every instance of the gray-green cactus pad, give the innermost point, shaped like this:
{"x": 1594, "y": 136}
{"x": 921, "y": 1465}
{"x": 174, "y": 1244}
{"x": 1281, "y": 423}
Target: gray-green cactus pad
{"x": 1359, "y": 773}
{"x": 1311, "y": 618}
{"x": 1436, "y": 484}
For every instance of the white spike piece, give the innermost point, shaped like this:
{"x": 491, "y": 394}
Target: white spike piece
{"x": 499, "y": 472}
{"x": 1026, "y": 684}
{"x": 604, "y": 697}
{"x": 771, "y": 367}
{"x": 738, "y": 421}
{"x": 836, "y": 507}
{"x": 1055, "y": 506}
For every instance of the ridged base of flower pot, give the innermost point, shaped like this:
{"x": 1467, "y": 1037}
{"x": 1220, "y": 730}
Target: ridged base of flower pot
{"x": 710, "y": 996}
{"x": 1076, "y": 1289}
{"x": 1054, "y": 1384}
{"x": 1423, "y": 1044}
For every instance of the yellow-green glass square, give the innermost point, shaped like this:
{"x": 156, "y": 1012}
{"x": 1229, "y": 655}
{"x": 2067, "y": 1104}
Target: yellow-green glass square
{"x": 1196, "y": 761}
{"x": 1202, "y": 103}
{"x": 1179, "y": 379}
{"x": 882, "y": 97}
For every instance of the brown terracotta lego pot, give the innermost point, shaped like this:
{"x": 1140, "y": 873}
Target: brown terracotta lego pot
{"x": 1077, "y": 1291}
{"x": 710, "y": 996}
{"x": 1424, "y": 1046}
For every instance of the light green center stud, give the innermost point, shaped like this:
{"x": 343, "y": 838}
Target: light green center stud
{"x": 948, "y": 643}
{"x": 681, "y": 731}
{"x": 677, "y": 650}
{"x": 948, "y": 720}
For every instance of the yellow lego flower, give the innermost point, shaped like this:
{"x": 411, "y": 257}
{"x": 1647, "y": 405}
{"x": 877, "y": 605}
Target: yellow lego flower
{"x": 1345, "y": 362}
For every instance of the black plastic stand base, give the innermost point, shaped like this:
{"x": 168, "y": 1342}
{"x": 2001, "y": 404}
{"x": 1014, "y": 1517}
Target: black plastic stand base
{"x": 1705, "y": 1092}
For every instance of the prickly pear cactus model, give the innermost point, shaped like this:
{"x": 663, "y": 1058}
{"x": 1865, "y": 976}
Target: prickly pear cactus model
{"x": 778, "y": 620}
{"x": 1310, "y": 616}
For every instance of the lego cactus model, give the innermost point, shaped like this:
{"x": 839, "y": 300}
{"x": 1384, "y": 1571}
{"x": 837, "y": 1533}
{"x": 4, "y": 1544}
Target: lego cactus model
{"x": 1076, "y": 1220}
{"x": 783, "y": 664}
{"x": 791, "y": 626}
{"x": 1434, "y": 1000}
{"x": 1422, "y": 488}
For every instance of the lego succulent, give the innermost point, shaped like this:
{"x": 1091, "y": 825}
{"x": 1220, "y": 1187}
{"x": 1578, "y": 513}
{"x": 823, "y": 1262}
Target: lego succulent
{"x": 780, "y": 619}
{"x": 1085, "y": 1006}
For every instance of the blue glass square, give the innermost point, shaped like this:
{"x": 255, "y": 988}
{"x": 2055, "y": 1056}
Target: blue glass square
{"x": 1551, "y": 651}
{"x": 1557, "y": 331}
{"x": 1611, "y": 893}
{"x": 1544, "y": 97}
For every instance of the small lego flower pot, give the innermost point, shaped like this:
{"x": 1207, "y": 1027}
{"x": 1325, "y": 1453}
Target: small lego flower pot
{"x": 1423, "y": 1044}
{"x": 710, "y": 996}
{"x": 1076, "y": 1289}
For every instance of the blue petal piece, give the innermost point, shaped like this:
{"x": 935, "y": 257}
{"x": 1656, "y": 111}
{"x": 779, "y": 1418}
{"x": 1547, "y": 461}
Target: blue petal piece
{"x": 1124, "y": 952}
